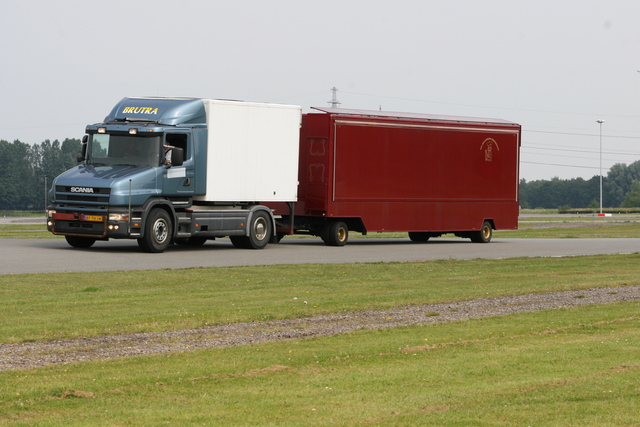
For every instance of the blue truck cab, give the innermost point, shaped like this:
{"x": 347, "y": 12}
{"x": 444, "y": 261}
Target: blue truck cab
{"x": 142, "y": 175}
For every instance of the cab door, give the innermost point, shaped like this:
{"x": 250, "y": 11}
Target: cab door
{"x": 178, "y": 180}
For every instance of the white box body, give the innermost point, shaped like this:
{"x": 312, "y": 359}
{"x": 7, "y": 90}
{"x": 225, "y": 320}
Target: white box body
{"x": 252, "y": 152}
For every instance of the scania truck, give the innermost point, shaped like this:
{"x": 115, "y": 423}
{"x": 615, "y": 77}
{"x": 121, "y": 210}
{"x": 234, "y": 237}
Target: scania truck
{"x": 185, "y": 170}
{"x": 173, "y": 170}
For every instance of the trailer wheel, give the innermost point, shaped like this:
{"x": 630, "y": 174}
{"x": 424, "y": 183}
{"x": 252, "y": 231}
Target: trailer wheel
{"x": 484, "y": 235}
{"x": 335, "y": 234}
{"x": 419, "y": 236}
{"x": 80, "y": 242}
{"x": 157, "y": 232}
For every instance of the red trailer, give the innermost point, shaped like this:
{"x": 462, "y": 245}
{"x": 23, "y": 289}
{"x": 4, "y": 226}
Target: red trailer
{"x": 371, "y": 171}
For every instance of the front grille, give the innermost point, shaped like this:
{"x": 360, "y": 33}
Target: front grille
{"x": 79, "y": 198}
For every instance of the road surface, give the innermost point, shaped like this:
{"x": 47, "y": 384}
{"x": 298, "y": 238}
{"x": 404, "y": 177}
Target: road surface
{"x": 55, "y": 255}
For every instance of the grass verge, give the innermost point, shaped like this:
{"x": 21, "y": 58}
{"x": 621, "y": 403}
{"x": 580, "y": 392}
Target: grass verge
{"x": 602, "y": 230}
{"x": 577, "y": 366}
{"x": 26, "y": 231}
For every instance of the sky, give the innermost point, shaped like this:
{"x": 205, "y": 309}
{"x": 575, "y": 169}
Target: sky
{"x": 554, "y": 67}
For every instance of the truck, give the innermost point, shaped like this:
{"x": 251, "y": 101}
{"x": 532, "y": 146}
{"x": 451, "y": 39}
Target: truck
{"x": 179, "y": 170}
{"x": 186, "y": 170}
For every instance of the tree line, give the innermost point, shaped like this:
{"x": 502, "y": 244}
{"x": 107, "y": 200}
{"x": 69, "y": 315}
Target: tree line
{"x": 23, "y": 168}
{"x": 620, "y": 188}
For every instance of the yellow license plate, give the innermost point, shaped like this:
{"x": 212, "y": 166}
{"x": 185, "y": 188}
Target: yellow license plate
{"x": 96, "y": 218}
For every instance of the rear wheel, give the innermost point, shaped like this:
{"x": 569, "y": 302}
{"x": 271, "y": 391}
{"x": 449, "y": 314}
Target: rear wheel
{"x": 80, "y": 242}
{"x": 260, "y": 231}
{"x": 335, "y": 234}
{"x": 157, "y": 232}
{"x": 484, "y": 235}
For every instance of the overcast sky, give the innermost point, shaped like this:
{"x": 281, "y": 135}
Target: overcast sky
{"x": 554, "y": 66}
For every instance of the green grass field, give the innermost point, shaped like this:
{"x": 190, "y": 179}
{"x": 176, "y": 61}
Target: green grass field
{"x": 576, "y": 366}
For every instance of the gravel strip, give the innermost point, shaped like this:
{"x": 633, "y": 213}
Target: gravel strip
{"x": 36, "y": 354}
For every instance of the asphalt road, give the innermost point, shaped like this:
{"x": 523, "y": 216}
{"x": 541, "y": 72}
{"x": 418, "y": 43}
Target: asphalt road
{"x": 55, "y": 255}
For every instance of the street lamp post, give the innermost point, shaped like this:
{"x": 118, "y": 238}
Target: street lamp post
{"x": 600, "y": 122}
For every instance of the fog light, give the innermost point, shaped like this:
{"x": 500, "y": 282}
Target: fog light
{"x": 50, "y": 223}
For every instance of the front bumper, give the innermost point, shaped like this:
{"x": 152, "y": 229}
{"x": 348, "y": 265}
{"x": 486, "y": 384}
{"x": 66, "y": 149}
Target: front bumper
{"x": 99, "y": 226}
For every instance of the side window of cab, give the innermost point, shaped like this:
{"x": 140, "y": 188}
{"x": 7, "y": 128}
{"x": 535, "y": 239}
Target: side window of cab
{"x": 179, "y": 140}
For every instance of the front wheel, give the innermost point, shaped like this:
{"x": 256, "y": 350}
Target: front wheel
{"x": 157, "y": 232}
{"x": 80, "y": 242}
{"x": 484, "y": 235}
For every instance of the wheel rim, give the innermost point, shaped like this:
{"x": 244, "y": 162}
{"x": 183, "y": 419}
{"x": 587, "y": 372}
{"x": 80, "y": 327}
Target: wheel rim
{"x": 260, "y": 228}
{"x": 486, "y": 232}
{"x": 342, "y": 234}
{"x": 160, "y": 230}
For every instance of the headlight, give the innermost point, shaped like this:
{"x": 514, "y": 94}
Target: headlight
{"x": 118, "y": 217}
{"x": 50, "y": 212}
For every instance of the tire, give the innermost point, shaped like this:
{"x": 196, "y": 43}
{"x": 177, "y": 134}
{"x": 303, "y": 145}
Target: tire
{"x": 192, "y": 241}
{"x": 239, "y": 242}
{"x": 277, "y": 237}
{"x": 80, "y": 242}
{"x": 419, "y": 236}
{"x": 260, "y": 231}
{"x": 158, "y": 231}
{"x": 484, "y": 235}
{"x": 335, "y": 234}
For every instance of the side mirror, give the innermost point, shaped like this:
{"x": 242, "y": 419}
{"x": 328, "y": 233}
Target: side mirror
{"x": 82, "y": 154}
{"x": 177, "y": 156}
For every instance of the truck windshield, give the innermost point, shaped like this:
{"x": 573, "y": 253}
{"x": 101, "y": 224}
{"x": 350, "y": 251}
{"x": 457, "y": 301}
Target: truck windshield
{"x": 124, "y": 150}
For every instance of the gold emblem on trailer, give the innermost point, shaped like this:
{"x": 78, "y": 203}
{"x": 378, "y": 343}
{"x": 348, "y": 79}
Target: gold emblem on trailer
{"x": 487, "y": 146}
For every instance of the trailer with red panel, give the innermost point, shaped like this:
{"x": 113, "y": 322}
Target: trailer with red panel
{"x": 370, "y": 171}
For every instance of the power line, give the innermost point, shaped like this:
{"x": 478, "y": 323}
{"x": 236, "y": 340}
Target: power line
{"x": 490, "y": 107}
{"x": 581, "y": 134}
{"x": 621, "y": 153}
{"x": 560, "y": 165}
